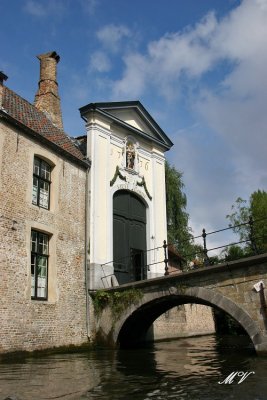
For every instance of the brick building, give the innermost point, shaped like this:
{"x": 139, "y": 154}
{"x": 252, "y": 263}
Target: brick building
{"x": 69, "y": 206}
{"x": 42, "y": 213}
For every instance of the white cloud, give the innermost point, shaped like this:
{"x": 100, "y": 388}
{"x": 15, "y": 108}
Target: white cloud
{"x": 237, "y": 109}
{"x": 217, "y": 68}
{"x": 238, "y": 38}
{"x": 100, "y": 62}
{"x": 44, "y": 9}
{"x": 169, "y": 59}
{"x": 35, "y": 8}
{"x": 134, "y": 79}
{"x": 112, "y": 35}
{"x": 184, "y": 52}
{"x": 89, "y": 6}
{"x": 242, "y": 34}
{"x": 231, "y": 55}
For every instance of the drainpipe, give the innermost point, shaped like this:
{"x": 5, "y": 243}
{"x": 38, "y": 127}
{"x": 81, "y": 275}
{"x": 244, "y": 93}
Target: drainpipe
{"x": 87, "y": 211}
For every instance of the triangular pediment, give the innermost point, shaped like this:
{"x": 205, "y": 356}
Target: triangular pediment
{"x": 131, "y": 117}
{"x": 135, "y": 117}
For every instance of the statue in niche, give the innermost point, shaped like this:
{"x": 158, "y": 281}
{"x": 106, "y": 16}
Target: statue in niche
{"x": 130, "y": 155}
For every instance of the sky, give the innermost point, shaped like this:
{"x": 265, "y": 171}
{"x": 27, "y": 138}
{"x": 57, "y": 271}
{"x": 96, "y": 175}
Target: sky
{"x": 197, "y": 66}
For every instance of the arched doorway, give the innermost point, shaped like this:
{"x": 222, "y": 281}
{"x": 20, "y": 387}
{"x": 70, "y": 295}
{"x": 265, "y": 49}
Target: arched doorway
{"x": 129, "y": 237}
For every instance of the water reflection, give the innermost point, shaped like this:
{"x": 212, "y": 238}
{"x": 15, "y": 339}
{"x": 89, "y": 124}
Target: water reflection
{"x": 50, "y": 377}
{"x": 179, "y": 369}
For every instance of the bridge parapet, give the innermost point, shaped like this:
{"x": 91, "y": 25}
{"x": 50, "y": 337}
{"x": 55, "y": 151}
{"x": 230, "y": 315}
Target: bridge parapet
{"x": 228, "y": 286}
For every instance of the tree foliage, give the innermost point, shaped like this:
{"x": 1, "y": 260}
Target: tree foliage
{"x": 233, "y": 252}
{"x": 254, "y": 233}
{"x": 258, "y": 210}
{"x": 179, "y": 232}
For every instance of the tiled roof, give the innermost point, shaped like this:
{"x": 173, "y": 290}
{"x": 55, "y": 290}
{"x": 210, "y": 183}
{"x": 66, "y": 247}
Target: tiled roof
{"x": 28, "y": 115}
{"x": 173, "y": 253}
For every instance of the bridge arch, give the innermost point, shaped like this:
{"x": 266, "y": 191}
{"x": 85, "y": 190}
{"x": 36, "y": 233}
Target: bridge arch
{"x": 131, "y": 328}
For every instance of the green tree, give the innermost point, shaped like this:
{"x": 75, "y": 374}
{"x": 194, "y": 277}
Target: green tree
{"x": 258, "y": 210}
{"x": 179, "y": 233}
{"x": 233, "y": 252}
{"x": 255, "y": 211}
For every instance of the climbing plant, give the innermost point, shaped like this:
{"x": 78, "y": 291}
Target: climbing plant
{"x": 118, "y": 301}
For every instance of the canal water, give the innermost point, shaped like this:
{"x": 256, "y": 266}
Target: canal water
{"x": 184, "y": 369}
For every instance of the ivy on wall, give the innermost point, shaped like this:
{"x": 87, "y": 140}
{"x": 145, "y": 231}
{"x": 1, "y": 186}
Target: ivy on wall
{"x": 118, "y": 301}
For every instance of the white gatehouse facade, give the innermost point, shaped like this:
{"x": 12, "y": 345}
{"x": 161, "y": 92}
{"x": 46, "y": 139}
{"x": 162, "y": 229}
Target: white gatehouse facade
{"x": 127, "y": 211}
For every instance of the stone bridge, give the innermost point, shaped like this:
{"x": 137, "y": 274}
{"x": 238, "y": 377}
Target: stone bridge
{"x": 228, "y": 287}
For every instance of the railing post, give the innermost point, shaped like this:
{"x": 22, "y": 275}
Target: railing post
{"x": 205, "y": 251}
{"x": 165, "y": 257}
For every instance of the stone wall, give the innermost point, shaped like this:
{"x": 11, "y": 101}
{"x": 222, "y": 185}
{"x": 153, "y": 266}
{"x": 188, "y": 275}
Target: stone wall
{"x": 182, "y": 321}
{"x": 61, "y": 320}
{"x": 231, "y": 287}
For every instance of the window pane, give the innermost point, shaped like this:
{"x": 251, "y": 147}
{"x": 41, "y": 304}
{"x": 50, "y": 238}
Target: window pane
{"x": 42, "y": 277}
{"x": 42, "y": 266}
{"x": 41, "y": 290}
{"x": 45, "y": 171}
{"x": 33, "y": 263}
{"x": 34, "y": 242}
{"x": 48, "y": 174}
{"x": 35, "y": 190}
{"x": 44, "y": 194}
{"x": 36, "y": 166}
{"x": 43, "y": 244}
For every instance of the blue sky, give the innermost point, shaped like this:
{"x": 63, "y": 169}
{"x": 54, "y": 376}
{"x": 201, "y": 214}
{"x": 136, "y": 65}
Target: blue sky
{"x": 198, "y": 66}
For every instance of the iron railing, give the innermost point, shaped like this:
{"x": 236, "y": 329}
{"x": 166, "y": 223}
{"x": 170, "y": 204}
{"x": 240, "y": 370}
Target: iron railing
{"x": 252, "y": 239}
{"x": 203, "y": 252}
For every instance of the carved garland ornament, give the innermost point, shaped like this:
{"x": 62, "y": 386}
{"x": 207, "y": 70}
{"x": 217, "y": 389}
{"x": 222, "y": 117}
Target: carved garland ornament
{"x": 123, "y": 178}
{"x": 143, "y": 183}
{"x": 116, "y": 175}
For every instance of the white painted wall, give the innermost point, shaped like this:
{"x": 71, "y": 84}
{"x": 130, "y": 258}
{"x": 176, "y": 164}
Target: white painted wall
{"x": 106, "y": 149}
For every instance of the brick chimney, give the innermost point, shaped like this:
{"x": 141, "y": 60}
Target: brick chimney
{"x": 47, "y": 98}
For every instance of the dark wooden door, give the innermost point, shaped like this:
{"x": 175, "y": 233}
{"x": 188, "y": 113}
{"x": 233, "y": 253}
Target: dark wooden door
{"x": 129, "y": 237}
